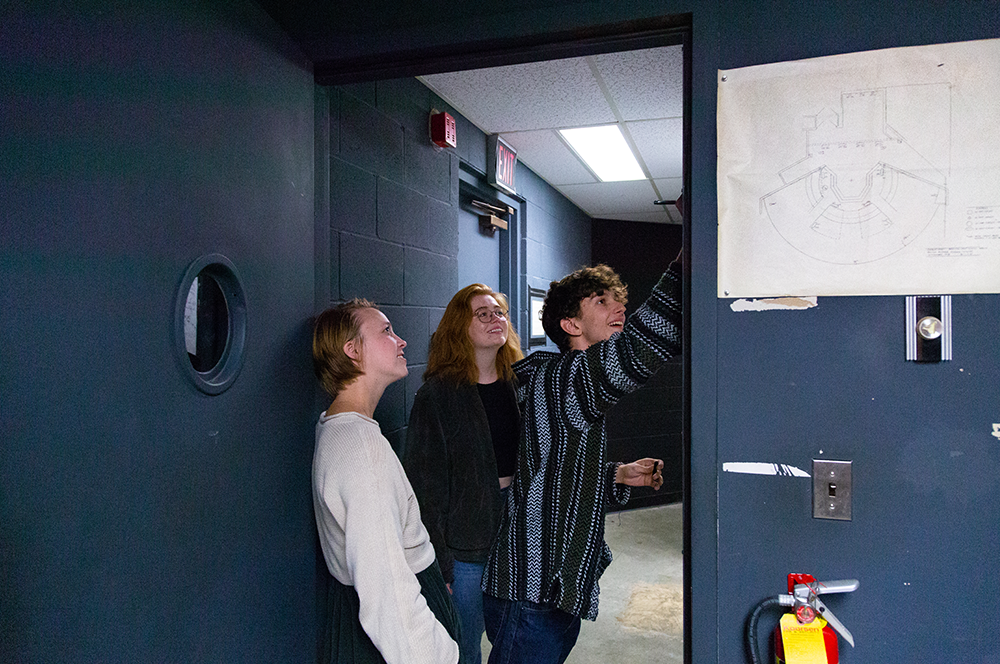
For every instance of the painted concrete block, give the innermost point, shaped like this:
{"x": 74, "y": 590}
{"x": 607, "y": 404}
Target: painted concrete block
{"x": 371, "y": 269}
{"x": 401, "y": 214}
{"x": 410, "y": 323}
{"x": 428, "y": 170}
{"x": 409, "y": 102}
{"x": 334, "y": 266}
{"x": 369, "y": 139}
{"x": 352, "y": 198}
{"x": 442, "y": 228}
{"x": 431, "y": 279}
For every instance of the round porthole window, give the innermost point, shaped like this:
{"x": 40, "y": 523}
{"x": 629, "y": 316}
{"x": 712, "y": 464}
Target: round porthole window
{"x": 210, "y": 323}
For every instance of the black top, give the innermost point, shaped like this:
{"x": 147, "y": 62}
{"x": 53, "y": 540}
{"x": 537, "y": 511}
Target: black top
{"x": 502, "y": 413}
{"x": 451, "y": 465}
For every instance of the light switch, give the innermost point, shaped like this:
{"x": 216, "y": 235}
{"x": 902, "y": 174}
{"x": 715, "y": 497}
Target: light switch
{"x": 832, "y": 490}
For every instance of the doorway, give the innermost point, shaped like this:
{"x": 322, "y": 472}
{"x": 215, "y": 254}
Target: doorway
{"x": 676, "y": 34}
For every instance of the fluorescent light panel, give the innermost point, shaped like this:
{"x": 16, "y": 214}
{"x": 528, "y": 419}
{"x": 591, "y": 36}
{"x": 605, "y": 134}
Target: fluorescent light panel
{"x": 605, "y": 151}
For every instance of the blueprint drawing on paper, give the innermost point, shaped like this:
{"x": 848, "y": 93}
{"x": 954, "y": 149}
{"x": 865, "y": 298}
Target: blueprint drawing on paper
{"x": 861, "y": 174}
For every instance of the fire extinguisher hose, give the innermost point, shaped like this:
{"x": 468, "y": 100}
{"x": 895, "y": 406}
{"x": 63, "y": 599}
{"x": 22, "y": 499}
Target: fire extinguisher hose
{"x": 751, "y": 636}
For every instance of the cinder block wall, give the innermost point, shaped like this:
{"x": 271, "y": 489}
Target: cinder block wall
{"x": 393, "y": 218}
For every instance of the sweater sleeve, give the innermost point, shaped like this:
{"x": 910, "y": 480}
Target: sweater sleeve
{"x": 426, "y": 463}
{"x": 393, "y": 612}
{"x": 619, "y": 493}
{"x": 601, "y": 375}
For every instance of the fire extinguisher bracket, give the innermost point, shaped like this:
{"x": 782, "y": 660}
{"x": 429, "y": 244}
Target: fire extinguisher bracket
{"x": 811, "y": 627}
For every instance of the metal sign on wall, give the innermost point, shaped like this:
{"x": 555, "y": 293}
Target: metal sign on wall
{"x": 501, "y": 163}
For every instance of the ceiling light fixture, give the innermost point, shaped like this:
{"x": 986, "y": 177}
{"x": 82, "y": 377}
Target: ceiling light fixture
{"x": 605, "y": 152}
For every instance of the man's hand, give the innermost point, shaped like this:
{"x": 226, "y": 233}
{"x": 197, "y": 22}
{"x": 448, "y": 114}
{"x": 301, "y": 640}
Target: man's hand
{"x": 644, "y": 472}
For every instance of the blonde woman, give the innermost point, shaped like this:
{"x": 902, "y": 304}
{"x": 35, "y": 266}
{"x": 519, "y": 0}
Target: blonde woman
{"x": 387, "y": 600}
{"x": 461, "y": 444}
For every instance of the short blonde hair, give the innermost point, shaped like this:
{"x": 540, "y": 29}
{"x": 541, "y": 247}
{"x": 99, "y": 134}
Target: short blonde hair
{"x": 334, "y": 328}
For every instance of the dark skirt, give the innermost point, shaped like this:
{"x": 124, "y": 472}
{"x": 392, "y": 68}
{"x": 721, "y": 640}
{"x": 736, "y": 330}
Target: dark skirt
{"x": 345, "y": 641}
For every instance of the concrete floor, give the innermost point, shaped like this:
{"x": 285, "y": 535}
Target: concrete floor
{"x": 639, "y": 619}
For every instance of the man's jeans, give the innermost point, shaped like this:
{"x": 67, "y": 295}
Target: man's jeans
{"x": 467, "y": 596}
{"x": 523, "y": 632}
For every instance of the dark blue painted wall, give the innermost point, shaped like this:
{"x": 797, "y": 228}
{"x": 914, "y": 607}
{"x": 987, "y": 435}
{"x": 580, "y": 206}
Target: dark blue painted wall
{"x": 141, "y": 520}
{"x": 787, "y": 385}
{"x": 558, "y": 233}
{"x": 831, "y": 382}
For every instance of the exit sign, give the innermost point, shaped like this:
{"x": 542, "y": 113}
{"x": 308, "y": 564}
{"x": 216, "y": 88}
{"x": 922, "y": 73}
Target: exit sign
{"x": 501, "y": 162}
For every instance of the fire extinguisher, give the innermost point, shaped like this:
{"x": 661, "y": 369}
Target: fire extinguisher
{"x": 803, "y": 635}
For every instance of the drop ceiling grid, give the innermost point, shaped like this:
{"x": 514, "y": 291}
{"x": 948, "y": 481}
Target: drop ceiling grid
{"x": 547, "y": 155}
{"x": 609, "y": 197}
{"x": 536, "y": 95}
{"x": 660, "y": 144}
{"x": 528, "y": 103}
{"x": 645, "y": 84}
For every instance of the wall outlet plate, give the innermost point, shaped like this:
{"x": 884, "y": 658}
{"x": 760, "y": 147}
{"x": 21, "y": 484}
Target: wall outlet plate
{"x": 832, "y": 490}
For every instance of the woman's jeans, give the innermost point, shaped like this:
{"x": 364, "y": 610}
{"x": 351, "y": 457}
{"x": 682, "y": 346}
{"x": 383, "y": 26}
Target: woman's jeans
{"x": 467, "y": 596}
{"x": 523, "y": 632}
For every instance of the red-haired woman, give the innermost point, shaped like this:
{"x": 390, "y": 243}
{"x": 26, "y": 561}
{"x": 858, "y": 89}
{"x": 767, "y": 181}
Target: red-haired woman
{"x": 461, "y": 444}
{"x": 387, "y": 600}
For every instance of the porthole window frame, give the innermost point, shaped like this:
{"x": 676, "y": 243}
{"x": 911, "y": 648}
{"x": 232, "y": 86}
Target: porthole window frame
{"x": 221, "y": 377}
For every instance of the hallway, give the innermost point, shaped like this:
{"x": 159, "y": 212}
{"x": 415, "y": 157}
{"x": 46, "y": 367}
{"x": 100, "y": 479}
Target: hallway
{"x": 641, "y": 605}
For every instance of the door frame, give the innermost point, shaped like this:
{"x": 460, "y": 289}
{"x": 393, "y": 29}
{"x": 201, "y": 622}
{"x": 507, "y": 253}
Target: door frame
{"x": 652, "y": 32}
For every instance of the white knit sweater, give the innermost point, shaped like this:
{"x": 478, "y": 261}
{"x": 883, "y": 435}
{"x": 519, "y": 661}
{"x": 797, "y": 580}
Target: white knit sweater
{"x": 372, "y": 538}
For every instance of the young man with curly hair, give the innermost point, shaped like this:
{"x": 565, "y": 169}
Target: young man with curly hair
{"x": 542, "y": 574}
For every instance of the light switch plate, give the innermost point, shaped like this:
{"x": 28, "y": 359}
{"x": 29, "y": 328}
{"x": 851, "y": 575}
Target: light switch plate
{"x": 832, "y": 490}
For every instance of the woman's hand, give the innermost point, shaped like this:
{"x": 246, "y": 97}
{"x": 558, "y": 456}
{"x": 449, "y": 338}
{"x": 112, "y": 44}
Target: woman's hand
{"x": 644, "y": 472}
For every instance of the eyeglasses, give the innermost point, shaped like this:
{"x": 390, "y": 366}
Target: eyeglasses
{"x": 487, "y": 315}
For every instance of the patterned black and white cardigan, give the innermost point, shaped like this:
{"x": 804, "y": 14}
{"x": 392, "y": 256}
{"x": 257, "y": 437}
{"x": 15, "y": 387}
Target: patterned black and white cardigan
{"x": 550, "y": 548}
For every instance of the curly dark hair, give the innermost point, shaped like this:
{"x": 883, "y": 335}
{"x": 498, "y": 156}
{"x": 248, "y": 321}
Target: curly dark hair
{"x": 564, "y": 297}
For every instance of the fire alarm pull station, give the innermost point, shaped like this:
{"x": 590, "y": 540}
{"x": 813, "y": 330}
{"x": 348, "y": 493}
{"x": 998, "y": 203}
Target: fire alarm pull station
{"x": 443, "y": 132}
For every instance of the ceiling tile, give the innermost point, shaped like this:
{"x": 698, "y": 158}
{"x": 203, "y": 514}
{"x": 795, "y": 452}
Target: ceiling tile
{"x": 545, "y": 154}
{"x": 661, "y": 146}
{"x": 612, "y": 197}
{"x": 645, "y": 84}
{"x": 536, "y": 95}
{"x": 669, "y": 188}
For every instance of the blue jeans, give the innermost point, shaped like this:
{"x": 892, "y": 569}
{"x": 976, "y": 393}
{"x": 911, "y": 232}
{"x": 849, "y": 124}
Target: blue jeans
{"x": 523, "y": 632}
{"x": 467, "y": 596}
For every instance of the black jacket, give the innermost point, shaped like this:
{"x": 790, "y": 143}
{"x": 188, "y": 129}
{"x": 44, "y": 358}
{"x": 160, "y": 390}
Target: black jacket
{"x": 450, "y": 463}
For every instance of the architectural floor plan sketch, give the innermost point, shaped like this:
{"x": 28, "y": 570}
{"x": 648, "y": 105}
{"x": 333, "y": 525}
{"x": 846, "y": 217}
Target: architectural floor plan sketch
{"x": 863, "y": 192}
{"x": 861, "y": 174}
